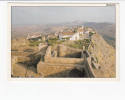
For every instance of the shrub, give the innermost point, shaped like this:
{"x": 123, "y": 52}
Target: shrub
{"x": 52, "y": 41}
{"x": 80, "y": 43}
{"x": 91, "y": 33}
{"x": 35, "y": 43}
{"x": 77, "y": 44}
{"x": 86, "y": 43}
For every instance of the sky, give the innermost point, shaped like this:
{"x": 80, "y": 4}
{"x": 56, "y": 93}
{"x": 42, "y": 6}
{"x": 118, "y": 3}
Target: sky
{"x": 55, "y": 15}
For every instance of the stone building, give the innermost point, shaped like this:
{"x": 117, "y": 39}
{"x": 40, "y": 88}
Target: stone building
{"x": 34, "y": 36}
{"x": 72, "y": 34}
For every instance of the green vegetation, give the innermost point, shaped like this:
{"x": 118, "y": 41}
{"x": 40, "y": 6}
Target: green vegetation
{"x": 96, "y": 59}
{"x": 77, "y": 44}
{"x": 28, "y": 50}
{"x": 75, "y": 30}
{"x": 80, "y": 43}
{"x": 67, "y": 38}
{"x": 80, "y": 35}
{"x": 91, "y": 33}
{"x": 86, "y": 43}
{"x": 54, "y": 41}
{"x": 34, "y": 43}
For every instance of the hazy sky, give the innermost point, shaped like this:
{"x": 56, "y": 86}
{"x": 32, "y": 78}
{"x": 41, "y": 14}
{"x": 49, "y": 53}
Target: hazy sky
{"x": 53, "y": 15}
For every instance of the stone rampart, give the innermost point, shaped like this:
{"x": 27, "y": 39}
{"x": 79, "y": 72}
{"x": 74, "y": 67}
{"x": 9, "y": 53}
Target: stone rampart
{"x": 48, "y": 52}
{"x": 60, "y": 60}
{"x": 47, "y": 69}
{"x": 53, "y": 65}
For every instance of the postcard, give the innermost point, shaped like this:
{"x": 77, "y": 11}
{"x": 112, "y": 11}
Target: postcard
{"x": 64, "y": 40}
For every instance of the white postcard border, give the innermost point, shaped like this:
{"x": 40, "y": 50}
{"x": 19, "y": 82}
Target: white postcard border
{"x": 50, "y": 3}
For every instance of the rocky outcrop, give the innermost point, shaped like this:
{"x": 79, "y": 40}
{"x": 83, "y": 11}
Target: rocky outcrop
{"x": 105, "y": 56}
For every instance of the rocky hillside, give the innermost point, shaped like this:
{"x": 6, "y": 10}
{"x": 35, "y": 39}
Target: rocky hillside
{"x": 106, "y": 30}
{"x": 105, "y": 56}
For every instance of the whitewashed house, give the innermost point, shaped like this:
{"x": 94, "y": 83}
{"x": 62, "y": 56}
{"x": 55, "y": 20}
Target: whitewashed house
{"x": 75, "y": 36}
{"x": 72, "y": 34}
{"x": 78, "y": 34}
{"x": 69, "y": 36}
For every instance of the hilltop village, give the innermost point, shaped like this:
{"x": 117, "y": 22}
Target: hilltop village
{"x": 71, "y": 52}
{"x": 73, "y": 33}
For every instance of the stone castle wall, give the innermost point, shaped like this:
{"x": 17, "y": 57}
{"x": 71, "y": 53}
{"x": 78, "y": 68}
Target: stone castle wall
{"x": 55, "y": 65}
{"x": 61, "y": 60}
{"x": 64, "y": 51}
{"x": 47, "y": 69}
